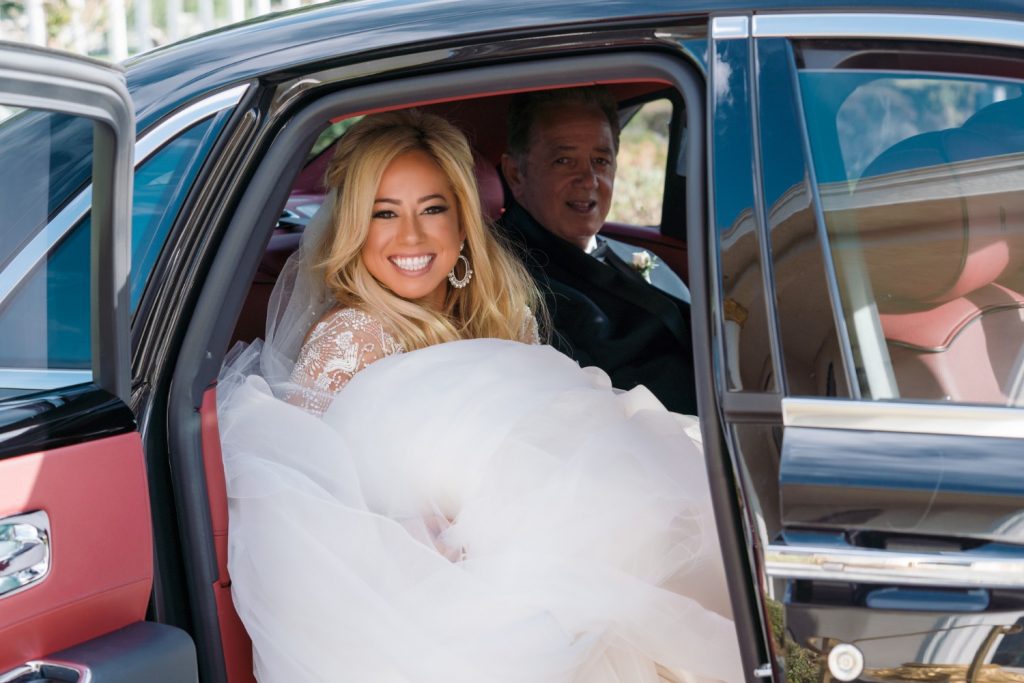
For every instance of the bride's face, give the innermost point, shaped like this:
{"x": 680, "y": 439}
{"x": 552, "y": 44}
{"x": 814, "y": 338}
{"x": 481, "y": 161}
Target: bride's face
{"x": 414, "y": 234}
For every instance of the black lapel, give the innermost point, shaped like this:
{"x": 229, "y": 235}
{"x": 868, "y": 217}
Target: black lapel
{"x": 638, "y": 290}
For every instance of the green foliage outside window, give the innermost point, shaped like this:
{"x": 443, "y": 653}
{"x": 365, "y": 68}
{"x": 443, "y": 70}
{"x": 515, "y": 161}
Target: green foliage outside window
{"x": 640, "y": 174}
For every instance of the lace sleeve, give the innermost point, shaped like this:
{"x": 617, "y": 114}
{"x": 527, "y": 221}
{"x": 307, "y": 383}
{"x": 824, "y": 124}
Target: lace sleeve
{"x": 340, "y": 345}
{"x": 529, "y": 333}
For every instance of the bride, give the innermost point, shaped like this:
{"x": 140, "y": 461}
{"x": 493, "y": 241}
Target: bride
{"x": 420, "y": 492}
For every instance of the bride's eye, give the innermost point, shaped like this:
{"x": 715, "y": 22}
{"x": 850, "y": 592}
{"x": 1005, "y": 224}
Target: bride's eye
{"x": 384, "y": 213}
{"x": 435, "y": 209}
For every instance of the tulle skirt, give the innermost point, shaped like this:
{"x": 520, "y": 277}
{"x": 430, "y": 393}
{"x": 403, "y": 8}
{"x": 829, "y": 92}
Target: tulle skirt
{"x": 479, "y": 511}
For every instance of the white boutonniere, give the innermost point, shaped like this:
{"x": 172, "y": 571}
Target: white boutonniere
{"x": 644, "y": 263}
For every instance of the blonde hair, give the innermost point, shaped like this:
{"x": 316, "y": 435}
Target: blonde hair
{"x": 501, "y": 297}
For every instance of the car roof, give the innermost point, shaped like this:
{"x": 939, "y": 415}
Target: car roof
{"x": 163, "y": 79}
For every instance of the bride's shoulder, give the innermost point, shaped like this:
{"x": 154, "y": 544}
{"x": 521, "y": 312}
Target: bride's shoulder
{"x": 343, "y": 342}
{"x": 345, "y": 316}
{"x": 347, "y": 321}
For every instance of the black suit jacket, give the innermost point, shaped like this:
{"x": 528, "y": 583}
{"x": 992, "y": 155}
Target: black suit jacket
{"x": 605, "y": 314}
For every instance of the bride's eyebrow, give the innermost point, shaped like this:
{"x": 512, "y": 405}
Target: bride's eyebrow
{"x": 430, "y": 197}
{"x": 386, "y": 200}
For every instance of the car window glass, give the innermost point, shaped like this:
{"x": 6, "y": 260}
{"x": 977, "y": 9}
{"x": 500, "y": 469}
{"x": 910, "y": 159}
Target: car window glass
{"x": 331, "y": 134}
{"x": 640, "y": 166}
{"x": 45, "y": 158}
{"x": 743, "y": 308}
{"x": 45, "y": 313}
{"x": 42, "y": 305}
{"x": 921, "y": 178}
{"x": 161, "y": 185}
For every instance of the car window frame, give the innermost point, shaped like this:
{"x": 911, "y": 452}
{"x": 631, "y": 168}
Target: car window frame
{"x": 78, "y": 209}
{"x": 39, "y": 78}
{"x": 240, "y": 249}
{"x": 632, "y": 107}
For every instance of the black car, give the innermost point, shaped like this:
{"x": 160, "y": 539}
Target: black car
{"x": 842, "y": 190}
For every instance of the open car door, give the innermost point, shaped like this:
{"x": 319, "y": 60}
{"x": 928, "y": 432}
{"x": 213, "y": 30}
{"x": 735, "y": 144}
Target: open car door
{"x": 76, "y": 555}
{"x": 872, "y": 289}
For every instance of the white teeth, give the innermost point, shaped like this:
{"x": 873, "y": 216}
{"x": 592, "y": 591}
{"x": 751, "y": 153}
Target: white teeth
{"x": 411, "y": 262}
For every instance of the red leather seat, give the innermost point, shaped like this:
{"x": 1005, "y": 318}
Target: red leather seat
{"x": 234, "y": 639}
{"x": 492, "y": 193}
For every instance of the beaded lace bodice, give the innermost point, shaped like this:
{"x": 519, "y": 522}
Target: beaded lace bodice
{"x": 344, "y": 342}
{"x": 341, "y": 344}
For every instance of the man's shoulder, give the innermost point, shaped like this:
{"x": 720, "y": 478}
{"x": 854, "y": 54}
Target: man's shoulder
{"x": 518, "y": 224}
{"x": 544, "y": 250}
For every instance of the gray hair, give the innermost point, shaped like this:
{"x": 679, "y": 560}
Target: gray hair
{"x": 526, "y": 108}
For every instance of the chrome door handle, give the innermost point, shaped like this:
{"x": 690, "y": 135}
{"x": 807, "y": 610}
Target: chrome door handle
{"x": 24, "y": 551}
{"x": 33, "y": 672}
{"x": 866, "y": 565}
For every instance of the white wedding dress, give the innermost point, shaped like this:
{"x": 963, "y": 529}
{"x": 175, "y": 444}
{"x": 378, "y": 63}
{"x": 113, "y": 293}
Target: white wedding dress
{"x": 473, "y": 512}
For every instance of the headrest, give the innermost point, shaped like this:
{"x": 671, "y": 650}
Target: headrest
{"x": 929, "y": 223}
{"x": 492, "y": 196}
{"x": 1002, "y": 122}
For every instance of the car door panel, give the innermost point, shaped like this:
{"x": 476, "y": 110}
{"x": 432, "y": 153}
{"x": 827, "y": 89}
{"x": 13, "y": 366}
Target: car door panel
{"x": 76, "y": 548}
{"x": 101, "y": 554}
{"x": 892, "y": 547}
{"x": 143, "y": 651}
{"x": 893, "y": 484}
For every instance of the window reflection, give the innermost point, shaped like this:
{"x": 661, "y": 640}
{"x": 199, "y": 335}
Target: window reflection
{"x": 921, "y": 178}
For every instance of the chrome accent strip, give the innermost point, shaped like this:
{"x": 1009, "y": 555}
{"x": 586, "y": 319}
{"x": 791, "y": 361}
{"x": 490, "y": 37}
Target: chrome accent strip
{"x": 25, "y": 261}
{"x": 958, "y": 29}
{"x": 156, "y": 137}
{"x": 730, "y": 28}
{"x": 858, "y": 565}
{"x": 24, "y": 551}
{"x": 911, "y": 418}
{"x": 821, "y": 233}
{"x": 48, "y": 670}
{"x": 46, "y": 239}
{"x": 39, "y": 379}
{"x": 17, "y": 672}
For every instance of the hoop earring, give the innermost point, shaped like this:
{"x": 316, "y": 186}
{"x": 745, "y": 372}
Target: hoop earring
{"x": 459, "y": 283}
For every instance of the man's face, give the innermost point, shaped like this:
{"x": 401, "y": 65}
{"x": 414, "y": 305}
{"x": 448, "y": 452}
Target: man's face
{"x": 565, "y": 181}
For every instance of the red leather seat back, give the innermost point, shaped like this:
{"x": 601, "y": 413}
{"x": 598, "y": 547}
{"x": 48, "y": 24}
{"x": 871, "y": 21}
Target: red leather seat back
{"x": 234, "y": 639}
{"x": 492, "y": 193}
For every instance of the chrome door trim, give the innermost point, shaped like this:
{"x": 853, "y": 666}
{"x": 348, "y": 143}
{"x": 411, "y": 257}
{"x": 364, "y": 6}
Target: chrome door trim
{"x": 730, "y": 28}
{"x": 24, "y": 551}
{"x": 860, "y": 565}
{"x": 48, "y": 669}
{"x": 156, "y": 137}
{"x": 899, "y": 416}
{"x": 950, "y": 28}
{"x": 41, "y": 379}
{"x": 46, "y": 239}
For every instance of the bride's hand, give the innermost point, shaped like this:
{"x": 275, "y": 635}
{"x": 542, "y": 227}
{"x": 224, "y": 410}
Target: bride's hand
{"x": 436, "y": 525}
{"x": 429, "y": 529}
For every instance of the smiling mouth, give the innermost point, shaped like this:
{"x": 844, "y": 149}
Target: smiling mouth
{"x": 412, "y": 265}
{"x": 582, "y": 207}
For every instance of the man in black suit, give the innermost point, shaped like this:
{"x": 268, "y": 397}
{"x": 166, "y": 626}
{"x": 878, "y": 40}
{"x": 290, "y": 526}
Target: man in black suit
{"x": 560, "y": 168}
